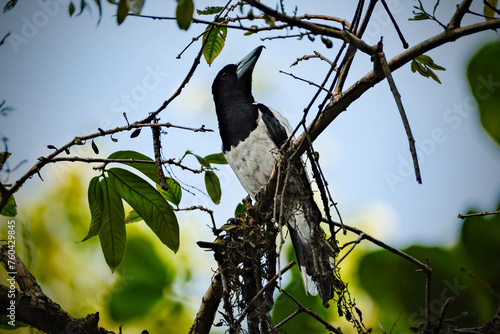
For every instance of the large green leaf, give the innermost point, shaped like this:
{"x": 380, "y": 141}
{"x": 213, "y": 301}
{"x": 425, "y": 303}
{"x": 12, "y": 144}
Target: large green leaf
{"x": 96, "y": 205}
{"x": 483, "y": 73}
{"x": 149, "y": 204}
{"x": 184, "y": 13}
{"x": 113, "y": 235}
{"x": 141, "y": 283}
{"x": 215, "y": 38}
{"x": 147, "y": 169}
{"x": 212, "y": 184}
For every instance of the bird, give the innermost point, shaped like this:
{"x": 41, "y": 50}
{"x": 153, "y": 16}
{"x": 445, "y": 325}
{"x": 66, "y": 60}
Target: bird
{"x": 252, "y": 135}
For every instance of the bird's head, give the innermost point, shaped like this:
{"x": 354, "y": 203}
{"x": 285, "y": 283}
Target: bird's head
{"x": 234, "y": 82}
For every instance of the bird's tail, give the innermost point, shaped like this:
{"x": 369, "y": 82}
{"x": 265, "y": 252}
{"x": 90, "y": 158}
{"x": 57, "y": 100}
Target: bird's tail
{"x": 313, "y": 251}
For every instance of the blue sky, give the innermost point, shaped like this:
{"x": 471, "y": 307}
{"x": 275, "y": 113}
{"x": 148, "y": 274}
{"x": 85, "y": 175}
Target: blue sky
{"x": 68, "y": 76}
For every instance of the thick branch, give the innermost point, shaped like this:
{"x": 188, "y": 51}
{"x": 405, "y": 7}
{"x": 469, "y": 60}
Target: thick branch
{"x": 33, "y": 307}
{"x": 344, "y": 100}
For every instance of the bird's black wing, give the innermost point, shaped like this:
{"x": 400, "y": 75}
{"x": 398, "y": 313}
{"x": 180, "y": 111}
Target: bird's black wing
{"x": 275, "y": 129}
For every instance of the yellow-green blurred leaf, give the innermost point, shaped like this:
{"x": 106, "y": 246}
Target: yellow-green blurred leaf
{"x": 489, "y": 13}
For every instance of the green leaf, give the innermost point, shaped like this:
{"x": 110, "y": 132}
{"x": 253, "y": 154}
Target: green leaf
{"x": 3, "y": 158}
{"x": 426, "y": 60}
{"x": 215, "y": 39}
{"x": 210, "y": 10}
{"x": 149, "y": 204}
{"x": 142, "y": 282}
{"x": 133, "y": 217}
{"x": 147, "y": 169}
{"x": 483, "y": 74}
{"x": 184, "y": 13}
{"x": 122, "y": 11}
{"x": 96, "y": 204}
{"x": 424, "y": 65}
{"x": 174, "y": 192}
{"x": 200, "y": 159}
{"x": 213, "y": 186}
{"x": 216, "y": 158}
{"x": 113, "y": 235}
{"x": 419, "y": 17}
{"x": 240, "y": 210}
{"x": 10, "y": 209}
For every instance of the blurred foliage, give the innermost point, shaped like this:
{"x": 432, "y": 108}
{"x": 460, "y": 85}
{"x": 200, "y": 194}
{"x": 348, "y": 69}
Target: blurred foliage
{"x": 483, "y": 73}
{"x": 142, "y": 294}
{"x": 469, "y": 273}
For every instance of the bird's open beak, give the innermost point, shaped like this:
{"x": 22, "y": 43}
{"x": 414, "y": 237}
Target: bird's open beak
{"x": 248, "y": 62}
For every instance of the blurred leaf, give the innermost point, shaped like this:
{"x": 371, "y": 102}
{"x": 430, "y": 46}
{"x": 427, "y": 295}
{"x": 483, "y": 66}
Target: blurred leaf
{"x": 71, "y": 9}
{"x": 149, "y": 204}
{"x": 9, "y": 5}
{"x": 174, "y": 192}
{"x": 213, "y": 186}
{"x": 135, "y": 6}
{"x": 419, "y": 16}
{"x": 215, "y": 37}
{"x": 3, "y": 158}
{"x": 147, "y": 169}
{"x": 122, "y": 11}
{"x": 113, "y": 235}
{"x": 141, "y": 281}
{"x": 328, "y": 43}
{"x": 10, "y": 209}
{"x": 96, "y": 204}
{"x": 210, "y": 10}
{"x": 284, "y": 306}
{"x": 133, "y": 217}
{"x": 184, "y": 13}
{"x": 216, "y": 158}
{"x": 483, "y": 73}
{"x": 488, "y": 12}
{"x": 5, "y": 323}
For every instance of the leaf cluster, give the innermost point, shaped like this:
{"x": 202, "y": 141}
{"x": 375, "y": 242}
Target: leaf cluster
{"x": 153, "y": 205}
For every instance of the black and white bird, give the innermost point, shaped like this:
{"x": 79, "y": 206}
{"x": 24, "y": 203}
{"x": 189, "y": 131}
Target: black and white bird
{"x": 252, "y": 134}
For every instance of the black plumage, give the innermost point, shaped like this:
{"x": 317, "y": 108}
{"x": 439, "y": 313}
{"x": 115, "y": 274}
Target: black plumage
{"x": 252, "y": 134}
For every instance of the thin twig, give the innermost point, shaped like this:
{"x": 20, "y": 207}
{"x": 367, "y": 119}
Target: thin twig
{"x": 308, "y": 311}
{"x": 157, "y": 152}
{"x": 261, "y": 291}
{"x": 309, "y": 82}
{"x": 399, "y": 103}
{"x": 478, "y": 214}
{"x": 379, "y": 243}
{"x": 394, "y": 23}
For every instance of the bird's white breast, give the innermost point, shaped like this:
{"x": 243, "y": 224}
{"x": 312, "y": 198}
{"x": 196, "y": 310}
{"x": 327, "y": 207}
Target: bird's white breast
{"x": 253, "y": 159}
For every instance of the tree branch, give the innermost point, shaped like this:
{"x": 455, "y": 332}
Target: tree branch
{"x": 34, "y": 308}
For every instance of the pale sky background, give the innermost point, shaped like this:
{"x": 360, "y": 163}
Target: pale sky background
{"x": 68, "y": 76}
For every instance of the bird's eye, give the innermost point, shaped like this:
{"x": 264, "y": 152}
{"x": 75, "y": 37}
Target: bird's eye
{"x": 224, "y": 75}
